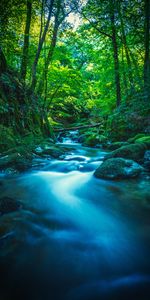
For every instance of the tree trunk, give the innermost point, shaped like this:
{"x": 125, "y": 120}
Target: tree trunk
{"x": 41, "y": 41}
{"x": 50, "y": 54}
{"x": 26, "y": 41}
{"x": 77, "y": 127}
{"x": 115, "y": 51}
{"x": 3, "y": 63}
{"x": 124, "y": 74}
{"x": 147, "y": 51}
{"x": 124, "y": 40}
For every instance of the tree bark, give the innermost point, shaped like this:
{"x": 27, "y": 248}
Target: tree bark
{"x": 124, "y": 74}
{"x": 3, "y": 63}
{"x": 41, "y": 41}
{"x": 76, "y": 128}
{"x": 26, "y": 41}
{"x": 116, "y": 59}
{"x": 147, "y": 51}
{"x": 50, "y": 52}
{"x": 124, "y": 40}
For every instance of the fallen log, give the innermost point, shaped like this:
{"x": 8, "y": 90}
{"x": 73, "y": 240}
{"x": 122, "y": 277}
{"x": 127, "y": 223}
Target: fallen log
{"x": 76, "y": 128}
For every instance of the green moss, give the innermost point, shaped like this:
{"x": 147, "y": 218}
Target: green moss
{"x": 94, "y": 140}
{"x": 134, "y": 151}
{"x": 137, "y": 136}
{"x": 117, "y": 145}
{"x": 145, "y": 140}
{"x": 115, "y": 168}
{"x": 7, "y": 138}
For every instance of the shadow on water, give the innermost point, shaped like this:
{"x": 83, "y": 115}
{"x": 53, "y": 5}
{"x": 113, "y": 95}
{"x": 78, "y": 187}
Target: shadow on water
{"x": 76, "y": 237}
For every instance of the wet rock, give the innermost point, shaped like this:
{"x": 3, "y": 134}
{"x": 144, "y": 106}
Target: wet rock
{"x": 8, "y": 205}
{"x": 117, "y": 145}
{"x": 147, "y": 160}
{"x": 116, "y": 168}
{"x": 14, "y": 160}
{"x": 76, "y": 158}
{"x": 10, "y": 171}
{"x": 53, "y": 151}
{"x": 94, "y": 140}
{"x": 134, "y": 152}
{"x": 49, "y": 149}
{"x": 8, "y": 160}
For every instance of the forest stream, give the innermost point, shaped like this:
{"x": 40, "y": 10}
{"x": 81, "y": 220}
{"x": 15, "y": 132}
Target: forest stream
{"x": 75, "y": 237}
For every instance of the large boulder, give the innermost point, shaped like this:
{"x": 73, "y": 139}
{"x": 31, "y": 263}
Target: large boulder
{"x": 49, "y": 149}
{"x": 117, "y": 145}
{"x": 15, "y": 159}
{"x": 118, "y": 168}
{"x": 134, "y": 152}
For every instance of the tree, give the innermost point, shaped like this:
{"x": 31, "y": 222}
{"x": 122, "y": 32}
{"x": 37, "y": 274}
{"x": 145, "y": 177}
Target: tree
{"x": 24, "y": 61}
{"x": 57, "y": 23}
{"x": 40, "y": 44}
{"x": 147, "y": 50}
{"x": 115, "y": 52}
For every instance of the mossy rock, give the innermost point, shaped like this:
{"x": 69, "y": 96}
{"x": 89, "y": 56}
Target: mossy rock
{"x": 8, "y": 160}
{"x": 49, "y": 149}
{"x": 118, "y": 168}
{"x": 55, "y": 152}
{"x": 117, "y": 145}
{"x": 137, "y": 136}
{"x": 91, "y": 141}
{"x": 134, "y": 151}
{"x": 17, "y": 158}
{"x": 145, "y": 140}
{"x": 94, "y": 140}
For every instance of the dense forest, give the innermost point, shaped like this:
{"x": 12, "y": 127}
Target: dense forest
{"x": 72, "y": 63}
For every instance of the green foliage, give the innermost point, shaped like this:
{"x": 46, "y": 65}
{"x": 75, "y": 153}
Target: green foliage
{"x": 145, "y": 140}
{"x": 77, "y": 84}
{"x": 7, "y": 138}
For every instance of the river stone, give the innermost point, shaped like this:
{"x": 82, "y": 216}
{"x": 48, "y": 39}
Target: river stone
{"x": 134, "y": 152}
{"x": 115, "y": 168}
{"x": 8, "y": 205}
{"x": 117, "y": 145}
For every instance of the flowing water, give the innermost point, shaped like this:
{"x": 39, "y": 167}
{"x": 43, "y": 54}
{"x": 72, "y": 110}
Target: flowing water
{"x": 76, "y": 237}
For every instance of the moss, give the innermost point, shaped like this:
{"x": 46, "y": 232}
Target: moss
{"x": 7, "y": 138}
{"x": 115, "y": 168}
{"x": 117, "y": 145}
{"x": 145, "y": 140}
{"x": 137, "y": 136}
{"x": 94, "y": 140}
{"x": 134, "y": 151}
{"x": 91, "y": 141}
